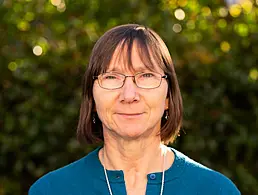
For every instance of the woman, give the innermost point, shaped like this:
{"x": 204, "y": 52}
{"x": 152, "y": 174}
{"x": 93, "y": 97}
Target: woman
{"x": 132, "y": 102}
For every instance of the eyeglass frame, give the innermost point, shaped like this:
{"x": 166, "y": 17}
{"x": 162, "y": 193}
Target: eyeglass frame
{"x": 125, "y": 76}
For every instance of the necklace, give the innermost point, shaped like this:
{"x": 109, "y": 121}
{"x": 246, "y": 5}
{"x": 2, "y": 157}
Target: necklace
{"x": 162, "y": 182}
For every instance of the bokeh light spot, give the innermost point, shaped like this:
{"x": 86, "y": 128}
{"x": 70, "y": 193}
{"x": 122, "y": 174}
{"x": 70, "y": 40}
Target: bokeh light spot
{"x": 223, "y": 12}
{"x": 222, "y": 23}
{"x": 37, "y": 50}
{"x": 23, "y": 25}
{"x": 179, "y": 14}
{"x": 190, "y": 24}
{"x": 49, "y": 8}
{"x": 12, "y": 66}
{"x": 235, "y": 10}
{"x": 43, "y": 43}
{"x": 177, "y": 28}
{"x": 61, "y": 7}
{"x": 241, "y": 29}
{"x": 225, "y": 46}
{"x": 247, "y": 6}
{"x": 29, "y": 16}
{"x": 56, "y": 2}
{"x": 206, "y": 11}
{"x": 182, "y": 3}
{"x": 253, "y": 74}
{"x": 195, "y": 37}
{"x": 17, "y": 7}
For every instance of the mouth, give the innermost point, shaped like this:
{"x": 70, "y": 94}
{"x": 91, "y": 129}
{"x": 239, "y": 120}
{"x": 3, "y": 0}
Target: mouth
{"x": 130, "y": 115}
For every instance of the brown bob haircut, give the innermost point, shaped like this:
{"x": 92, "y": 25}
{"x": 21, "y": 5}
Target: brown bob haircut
{"x": 149, "y": 44}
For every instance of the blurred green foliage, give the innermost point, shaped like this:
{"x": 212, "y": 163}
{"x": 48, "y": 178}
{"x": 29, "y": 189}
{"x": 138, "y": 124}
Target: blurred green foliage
{"x": 45, "y": 47}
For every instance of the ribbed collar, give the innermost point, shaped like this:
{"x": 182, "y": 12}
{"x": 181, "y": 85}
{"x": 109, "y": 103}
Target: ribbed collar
{"x": 117, "y": 176}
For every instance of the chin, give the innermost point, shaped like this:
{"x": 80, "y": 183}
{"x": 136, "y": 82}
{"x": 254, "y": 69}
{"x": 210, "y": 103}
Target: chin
{"x": 132, "y": 133}
{"x": 132, "y": 137}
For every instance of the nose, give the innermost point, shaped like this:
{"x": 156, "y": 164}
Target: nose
{"x": 129, "y": 92}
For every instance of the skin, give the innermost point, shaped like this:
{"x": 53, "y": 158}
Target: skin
{"x": 131, "y": 119}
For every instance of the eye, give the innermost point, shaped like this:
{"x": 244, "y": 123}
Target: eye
{"x": 111, "y": 76}
{"x": 147, "y": 75}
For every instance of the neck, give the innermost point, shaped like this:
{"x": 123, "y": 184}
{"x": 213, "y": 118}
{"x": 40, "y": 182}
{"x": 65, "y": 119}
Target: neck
{"x": 143, "y": 155}
{"x": 136, "y": 159}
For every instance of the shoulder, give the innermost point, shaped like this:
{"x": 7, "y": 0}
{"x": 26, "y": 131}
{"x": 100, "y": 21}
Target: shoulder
{"x": 65, "y": 178}
{"x": 203, "y": 179}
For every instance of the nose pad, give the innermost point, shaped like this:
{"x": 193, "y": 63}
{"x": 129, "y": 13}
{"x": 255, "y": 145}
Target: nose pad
{"x": 131, "y": 80}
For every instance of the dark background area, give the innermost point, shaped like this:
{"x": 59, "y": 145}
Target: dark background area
{"x": 45, "y": 47}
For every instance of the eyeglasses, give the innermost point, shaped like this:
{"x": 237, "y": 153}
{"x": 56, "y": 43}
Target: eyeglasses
{"x": 146, "y": 80}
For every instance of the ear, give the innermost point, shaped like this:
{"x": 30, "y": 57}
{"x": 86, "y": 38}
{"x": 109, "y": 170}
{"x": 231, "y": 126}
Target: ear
{"x": 166, "y": 104}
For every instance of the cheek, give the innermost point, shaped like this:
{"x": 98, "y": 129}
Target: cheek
{"x": 98, "y": 99}
{"x": 156, "y": 104}
{"x": 159, "y": 105}
{"x": 104, "y": 102}
{"x": 158, "y": 99}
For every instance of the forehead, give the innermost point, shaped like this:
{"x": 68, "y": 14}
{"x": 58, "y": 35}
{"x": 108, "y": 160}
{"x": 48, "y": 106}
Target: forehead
{"x": 133, "y": 57}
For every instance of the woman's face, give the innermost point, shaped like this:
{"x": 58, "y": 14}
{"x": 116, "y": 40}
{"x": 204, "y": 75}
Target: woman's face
{"x": 130, "y": 112}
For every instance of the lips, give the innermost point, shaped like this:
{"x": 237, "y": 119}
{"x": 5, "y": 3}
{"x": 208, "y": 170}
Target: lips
{"x": 130, "y": 115}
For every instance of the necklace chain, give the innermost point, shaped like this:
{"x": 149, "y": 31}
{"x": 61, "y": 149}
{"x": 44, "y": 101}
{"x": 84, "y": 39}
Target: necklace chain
{"x": 163, "y": 175}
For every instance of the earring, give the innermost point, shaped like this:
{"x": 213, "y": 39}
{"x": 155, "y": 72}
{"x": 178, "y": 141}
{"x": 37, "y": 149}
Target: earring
{"x": 93, "y": 119}
{"x": 166, "y": 115}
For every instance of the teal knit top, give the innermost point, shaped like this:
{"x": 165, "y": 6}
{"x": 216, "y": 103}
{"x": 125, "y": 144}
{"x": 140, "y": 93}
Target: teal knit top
{"x": 86, "y": 177}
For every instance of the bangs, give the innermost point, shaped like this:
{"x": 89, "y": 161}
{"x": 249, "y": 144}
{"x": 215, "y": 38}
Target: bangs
{"x": 147, "y": 46}
{"x": 149, "y": 56}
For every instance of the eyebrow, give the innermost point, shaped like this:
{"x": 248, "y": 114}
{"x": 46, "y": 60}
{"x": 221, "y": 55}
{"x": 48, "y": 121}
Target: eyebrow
{"x": 140, "y": 69}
